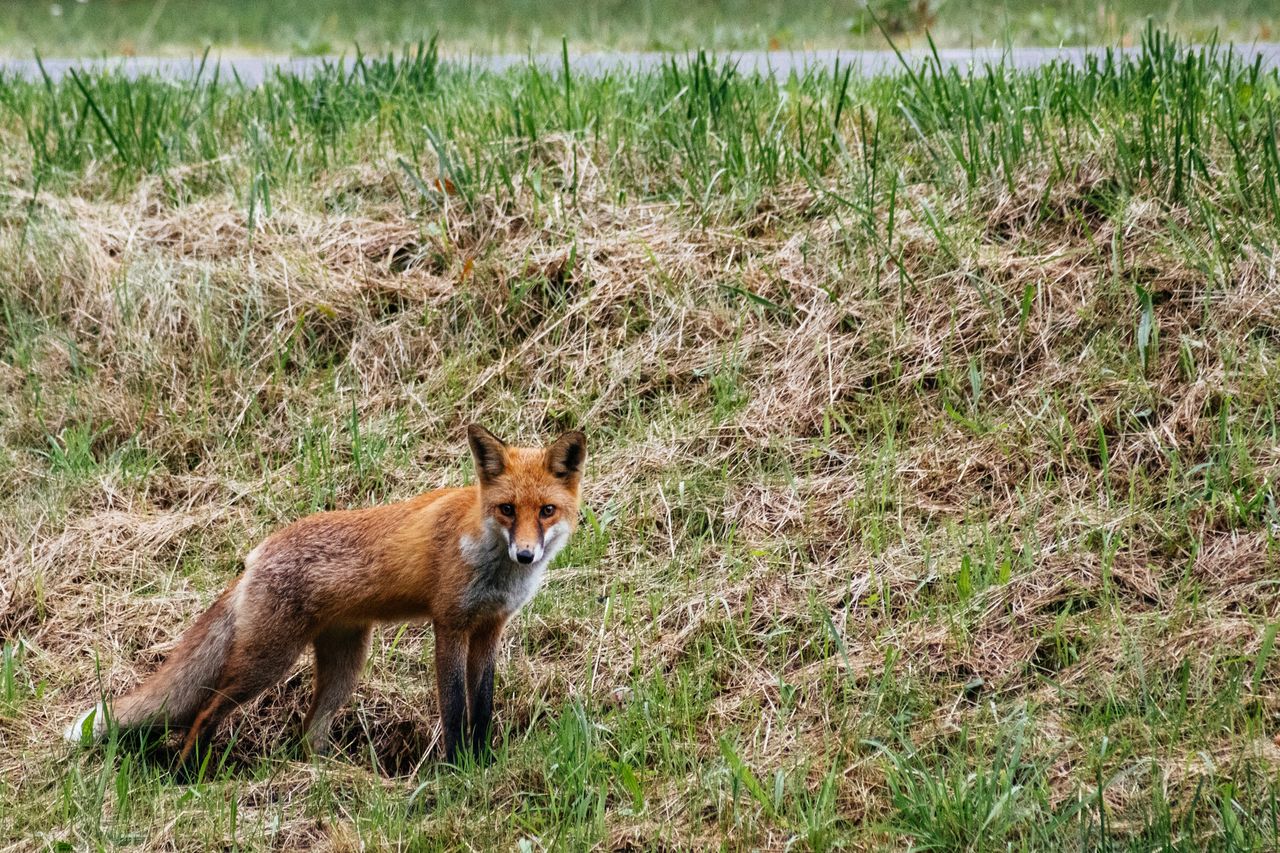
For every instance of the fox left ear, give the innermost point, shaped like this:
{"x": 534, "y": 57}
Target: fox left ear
{"x": 566, "y": 454}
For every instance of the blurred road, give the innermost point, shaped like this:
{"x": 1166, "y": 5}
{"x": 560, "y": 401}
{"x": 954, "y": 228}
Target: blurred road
{"x": 252, "y": 70}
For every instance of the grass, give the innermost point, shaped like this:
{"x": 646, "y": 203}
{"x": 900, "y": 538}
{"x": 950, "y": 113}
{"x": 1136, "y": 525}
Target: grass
{"x": 80, "y": 27}
{"x": 932, "y": 492}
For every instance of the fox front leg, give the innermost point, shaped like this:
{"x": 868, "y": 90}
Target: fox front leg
{"x": 451, "y": 683}
{"x": 481, "y": 654}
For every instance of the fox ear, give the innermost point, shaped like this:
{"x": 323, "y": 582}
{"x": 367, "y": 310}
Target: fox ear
{"x": 566, "y": 455}
{"x": 488, "y": 451}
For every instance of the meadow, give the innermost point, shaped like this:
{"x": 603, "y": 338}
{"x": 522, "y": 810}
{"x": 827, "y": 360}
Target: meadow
{"x": 931, "y": 500}
{"x": 180, "y": 27}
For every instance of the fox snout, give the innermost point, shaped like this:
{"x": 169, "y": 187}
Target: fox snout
{"x": 524, "y": 552}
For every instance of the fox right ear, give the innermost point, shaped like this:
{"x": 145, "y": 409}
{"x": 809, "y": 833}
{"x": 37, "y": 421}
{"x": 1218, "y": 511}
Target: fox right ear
{"x": 566, "y": 455}
{"x": 488, "y": 451}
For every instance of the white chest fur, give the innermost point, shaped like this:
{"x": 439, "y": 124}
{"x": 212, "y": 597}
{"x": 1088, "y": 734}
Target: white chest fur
{"x": 500, "y": 582}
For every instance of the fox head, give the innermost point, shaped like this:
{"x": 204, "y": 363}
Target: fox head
{"x": 529, "y": 494}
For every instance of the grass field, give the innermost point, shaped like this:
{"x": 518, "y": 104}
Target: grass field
{"x": 932, "y": 494}
{"x": 92, "y": 27}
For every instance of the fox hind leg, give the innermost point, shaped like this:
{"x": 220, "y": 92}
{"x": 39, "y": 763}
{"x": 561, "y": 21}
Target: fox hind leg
{"x": 340, "y": 656}
{"x": 248, "y": 672}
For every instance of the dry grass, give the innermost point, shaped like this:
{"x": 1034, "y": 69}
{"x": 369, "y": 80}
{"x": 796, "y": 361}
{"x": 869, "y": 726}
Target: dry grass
{"x": 860, "y": 519}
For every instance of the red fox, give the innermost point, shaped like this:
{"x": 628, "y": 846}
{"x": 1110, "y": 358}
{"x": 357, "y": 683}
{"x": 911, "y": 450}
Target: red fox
{"x": 465, "y": 558}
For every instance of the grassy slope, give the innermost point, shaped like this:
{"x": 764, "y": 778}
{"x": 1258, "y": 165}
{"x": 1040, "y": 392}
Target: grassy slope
{"x": 324, "y": 26}
{"x": 932, "y": 493}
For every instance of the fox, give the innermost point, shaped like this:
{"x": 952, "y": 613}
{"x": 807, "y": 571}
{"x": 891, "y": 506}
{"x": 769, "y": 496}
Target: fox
{"x": 465, "y": 559}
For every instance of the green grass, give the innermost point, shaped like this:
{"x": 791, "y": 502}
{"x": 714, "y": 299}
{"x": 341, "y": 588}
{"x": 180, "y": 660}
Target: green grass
{"x": 931, "y": 499}
{"x": 140, "y": 27}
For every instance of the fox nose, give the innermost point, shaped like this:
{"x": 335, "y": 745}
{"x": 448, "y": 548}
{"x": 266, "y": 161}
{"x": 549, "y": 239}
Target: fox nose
{"x": 524, "y": 556}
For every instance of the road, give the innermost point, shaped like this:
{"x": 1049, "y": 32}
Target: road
{"x": 252, "y": 70}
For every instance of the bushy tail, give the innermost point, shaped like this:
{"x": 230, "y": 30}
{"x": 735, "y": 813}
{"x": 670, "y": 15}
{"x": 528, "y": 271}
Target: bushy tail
{"x": 174, "y": 694}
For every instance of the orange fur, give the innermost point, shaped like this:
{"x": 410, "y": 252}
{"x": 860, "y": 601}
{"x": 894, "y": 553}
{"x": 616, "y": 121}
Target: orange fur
{"x": 466, "y": 559}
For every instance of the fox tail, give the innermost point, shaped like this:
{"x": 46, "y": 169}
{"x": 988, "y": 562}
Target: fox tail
{"x": 176, "y": 691}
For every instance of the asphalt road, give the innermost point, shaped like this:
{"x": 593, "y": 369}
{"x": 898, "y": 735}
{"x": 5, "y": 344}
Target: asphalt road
{"x": 252, "y": 70}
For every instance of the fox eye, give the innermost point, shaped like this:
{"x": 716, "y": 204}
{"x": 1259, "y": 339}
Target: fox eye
{"x": 508, "y": 510}
{"x": 548, "y": 510}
